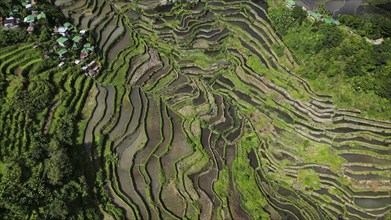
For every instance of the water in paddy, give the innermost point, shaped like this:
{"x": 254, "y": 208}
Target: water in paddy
{"x": 337, "y": 7}
{"x": 164, "y": 8}
{"x": 374, "y": 203}
{"x": 61, "y": 2}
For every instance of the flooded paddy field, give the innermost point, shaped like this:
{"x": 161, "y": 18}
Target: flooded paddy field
{"x": 197, "y": 118}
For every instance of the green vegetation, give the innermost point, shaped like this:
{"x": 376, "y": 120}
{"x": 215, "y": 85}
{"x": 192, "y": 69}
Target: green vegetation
{"x": 221, "y": 186}
{"x": 245, "y": 181}
{"x": 322, "y": 154}
{"x": 309, "y": 179}
{"x": 3, "y": 169}
{"x": 197, "y": 114}
{"x": 254, "y": 63}
{"x": 373, "y": 26}
{"x": 40, "y": 179}
{"x": 12, "y": 37}
{"x": 356, "y": 72}
{"x": 43, "y": 172}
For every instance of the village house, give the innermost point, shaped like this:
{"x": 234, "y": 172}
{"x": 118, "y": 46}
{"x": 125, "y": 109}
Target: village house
{"x": 83, "y": 32}
{"x": 84, "y": 54}
{"x": 63, "y": 31}
{"x": 77, "y": 41}
{"x": 375, "y": 42}
{"x": 27, "y": 5}
{"x": 61, "y": 64}
{"x": 41, "y": 16}
{"x": 62, "y": 53}
{"x": 9, "y": 22}
{"x": 290, "y": 3}
{"x": 315, "y": 15}
{"x": 331, "y": 21}
{"x": 15, "y": 11}
{"x": 29, "y": 19}
{"x": 86, "y": 51}
{"x": 63, "y": 41}
{"x": 68, "y": 26}
{"x": 91, "y": 69}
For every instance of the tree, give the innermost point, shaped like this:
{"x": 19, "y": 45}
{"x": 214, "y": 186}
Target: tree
{"x": 9, "y": 36}
{"x": 57, "y": 165}
{"x": 282, "y": 20}
{"x": 44, "y": 35}
{"x": 322, "y": 8}
{"x": 34, "y": 99}
{"x": 65, "y": 129}
{"x": 329, "y": 36}
{"x": 299, "y": 14}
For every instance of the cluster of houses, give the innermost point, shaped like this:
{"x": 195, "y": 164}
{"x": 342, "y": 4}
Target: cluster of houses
{"x": 14, "y": 18}
{"x": 313, "y": 14}
{"x": 70, "y": 41}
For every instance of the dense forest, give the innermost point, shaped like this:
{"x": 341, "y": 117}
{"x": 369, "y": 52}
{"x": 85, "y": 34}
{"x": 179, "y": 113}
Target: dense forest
{"x": 42, "y": 171}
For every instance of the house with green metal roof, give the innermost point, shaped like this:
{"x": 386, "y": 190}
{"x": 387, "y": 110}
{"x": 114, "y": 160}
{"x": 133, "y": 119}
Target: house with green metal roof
{"x": 41, "y": 16}
{"x": 84, "y": 50}
{"x": 315, "y": 15}
{"x": 84, "y": 53}
{"x": 290, "y": 3}
{"x": 16, "y": 9}
{"x": 62, "y": 52}
{"x": 68, "y": 25}
{"x": 29, "y": 19}
{"x": 88, "y": 47}
{"x": 331, "y": 21}
{"x": 63, "y": 41}
{"x": 77, "y": 39}
{"x": 75, "y": 46}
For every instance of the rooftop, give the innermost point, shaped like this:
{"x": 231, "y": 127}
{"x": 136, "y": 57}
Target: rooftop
{"x": 41, "y": 16}
{"x": 62, "y": 40}
{"x": 77, "y": 39}
{"x": 315, "y": 15}
{"x": 68, "y": 25}
{"x": 62, "y": 52}
{"x": 84, "y": 50}
{"x": 88, "y": 47}
{"x": 29, "y": 19}
{"x": 62, "y": 29}
{"x": 291, "y": 2}
{"x": 331, "y": 21}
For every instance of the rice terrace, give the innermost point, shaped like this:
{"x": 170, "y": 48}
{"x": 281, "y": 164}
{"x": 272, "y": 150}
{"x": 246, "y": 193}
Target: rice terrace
{"x": 195, "y": 109}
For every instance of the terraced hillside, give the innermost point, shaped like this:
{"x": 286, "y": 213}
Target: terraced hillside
{"x": 38, "y": 117}
{"x": 196, "y": 117}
